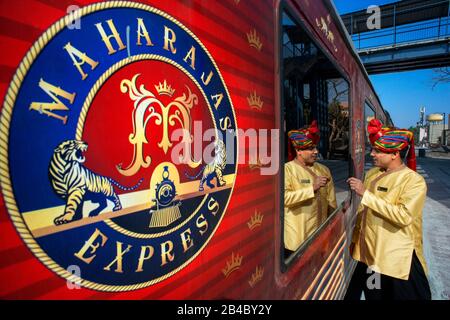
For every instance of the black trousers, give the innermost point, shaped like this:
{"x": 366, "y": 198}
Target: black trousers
{"x": 389, "y": 288}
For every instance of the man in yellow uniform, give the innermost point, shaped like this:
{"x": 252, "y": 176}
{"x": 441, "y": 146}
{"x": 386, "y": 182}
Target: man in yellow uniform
{"x": 388, "y": 232}
{"x": 309, "y": 190}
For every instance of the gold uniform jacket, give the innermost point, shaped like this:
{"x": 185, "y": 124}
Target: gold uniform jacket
{"x": 389, "y": 222}
{"x": 305, "y": 210}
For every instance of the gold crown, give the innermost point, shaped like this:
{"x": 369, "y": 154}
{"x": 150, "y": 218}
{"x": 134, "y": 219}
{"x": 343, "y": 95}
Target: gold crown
{"x": 254, "y": 40}
{"x": 255, "y": 101}
{"x": 163, "y": 88}
{"x": 255, "y": 220}
{"x": 232, "y": 265}
{"x": 256, "y": 165}
{"x": 256, "y": 276}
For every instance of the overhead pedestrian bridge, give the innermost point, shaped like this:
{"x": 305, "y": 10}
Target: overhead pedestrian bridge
{"x": 413, "y": 34}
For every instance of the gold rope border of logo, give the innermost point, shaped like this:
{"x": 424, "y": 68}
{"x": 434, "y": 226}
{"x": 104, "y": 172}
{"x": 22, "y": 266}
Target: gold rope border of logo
{"x": 5, "y": 118}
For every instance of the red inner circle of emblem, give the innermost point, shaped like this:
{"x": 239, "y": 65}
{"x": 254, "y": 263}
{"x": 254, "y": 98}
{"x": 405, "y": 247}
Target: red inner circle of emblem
{"x": 113, "y": 119}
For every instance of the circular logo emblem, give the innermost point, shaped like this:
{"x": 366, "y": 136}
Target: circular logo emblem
{"x": 118, "y": 150}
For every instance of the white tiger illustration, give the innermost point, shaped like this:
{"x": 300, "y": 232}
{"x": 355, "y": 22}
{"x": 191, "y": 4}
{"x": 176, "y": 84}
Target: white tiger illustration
{"x": 214, "y": 168}
{"x": 72, "y": 181}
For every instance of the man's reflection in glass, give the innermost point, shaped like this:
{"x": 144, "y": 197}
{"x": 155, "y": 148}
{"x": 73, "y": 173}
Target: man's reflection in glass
{"x": 309, "y": 195}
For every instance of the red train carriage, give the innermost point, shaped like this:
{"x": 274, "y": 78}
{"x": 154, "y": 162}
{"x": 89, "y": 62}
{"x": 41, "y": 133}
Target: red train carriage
{"x": 142, "y": 147}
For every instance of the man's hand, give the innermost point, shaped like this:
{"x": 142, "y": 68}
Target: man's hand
{"x": 319, "y": 182}
{"x": 356, "y": 185}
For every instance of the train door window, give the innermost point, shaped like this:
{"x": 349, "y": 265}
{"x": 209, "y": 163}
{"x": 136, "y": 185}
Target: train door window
{"x": 369, "y": 114}
{"x": 313, "y": 89}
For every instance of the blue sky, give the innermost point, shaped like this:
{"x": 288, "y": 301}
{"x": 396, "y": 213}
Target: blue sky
{"x": 402, "y": 93}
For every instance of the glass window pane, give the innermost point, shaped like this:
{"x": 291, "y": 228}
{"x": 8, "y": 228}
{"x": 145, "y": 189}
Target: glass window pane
{"x": 369, "y": 115}
{"x": 315, "y": 170}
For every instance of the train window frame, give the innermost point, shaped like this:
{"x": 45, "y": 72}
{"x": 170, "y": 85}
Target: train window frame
{"x": 286, "y": 8}
{"x": 367, "y": 103}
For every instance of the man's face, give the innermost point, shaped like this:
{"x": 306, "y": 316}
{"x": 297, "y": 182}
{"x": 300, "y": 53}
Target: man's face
{"x": 381, "y": 159}
{"x": 309, "y": 156}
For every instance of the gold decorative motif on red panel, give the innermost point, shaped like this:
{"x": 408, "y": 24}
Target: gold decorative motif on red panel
{"x": 232, "y": 265}
{"x": 254, "y": 40}
{"x": 255, "y": 220}
{"x": 254, "y": 101}
{"x": 256, "y": 276}
{"x": 255, "y": 164}
{"x": 324, "y": 25}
